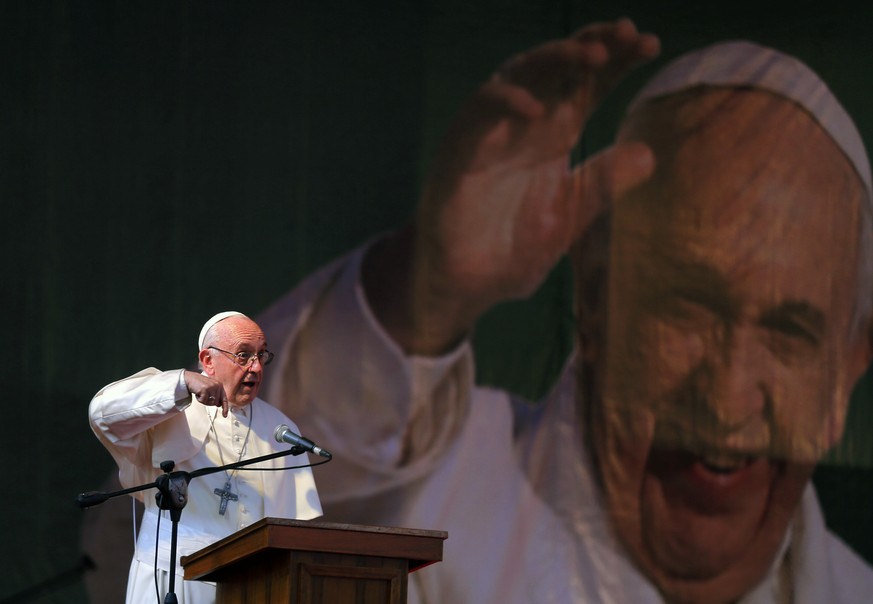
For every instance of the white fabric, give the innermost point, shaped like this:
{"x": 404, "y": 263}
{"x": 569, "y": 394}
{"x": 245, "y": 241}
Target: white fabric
{"x": 417, "y": 445}
{"x": 149, "y": 418}
{"x": 744, "y": 63}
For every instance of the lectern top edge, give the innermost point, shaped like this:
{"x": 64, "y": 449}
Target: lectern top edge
{"x": 417, "y": 546}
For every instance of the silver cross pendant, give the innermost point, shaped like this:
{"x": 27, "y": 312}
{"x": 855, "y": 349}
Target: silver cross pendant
{"x": 226, "y": 495}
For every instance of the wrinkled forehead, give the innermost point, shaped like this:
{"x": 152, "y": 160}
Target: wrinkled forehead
{"x": 743, "y": 64}
{"x": 231, "y": 328}
{"x": 749, "y": 186}
{"x": 240, "y": 330}
{"x": 729, "y": 156}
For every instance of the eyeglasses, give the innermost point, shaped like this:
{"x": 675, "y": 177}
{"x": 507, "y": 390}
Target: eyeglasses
{"x": 244, "y": 359}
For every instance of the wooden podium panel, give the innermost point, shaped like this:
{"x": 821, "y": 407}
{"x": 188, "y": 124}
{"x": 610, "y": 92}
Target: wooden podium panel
{"x": 310, "y": 562}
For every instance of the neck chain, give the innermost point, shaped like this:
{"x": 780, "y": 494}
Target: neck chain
{"x": 226, "y": 493}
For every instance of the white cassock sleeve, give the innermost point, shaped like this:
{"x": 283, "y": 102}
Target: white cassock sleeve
{"x": 387, "y": 417}
{"x": 122, "y": 413}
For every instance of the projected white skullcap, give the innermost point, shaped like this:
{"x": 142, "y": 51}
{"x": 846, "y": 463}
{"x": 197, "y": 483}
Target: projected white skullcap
{"x": 746, "y": 64}
{"x": 217, "y": 318}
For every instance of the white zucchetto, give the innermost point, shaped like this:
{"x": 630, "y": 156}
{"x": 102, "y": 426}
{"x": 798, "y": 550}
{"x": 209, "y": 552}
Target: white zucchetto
{"x": 741, "y": 63}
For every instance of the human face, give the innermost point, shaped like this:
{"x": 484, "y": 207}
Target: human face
{"x": 729, "y": 356}
{"x": 236, "y": 334}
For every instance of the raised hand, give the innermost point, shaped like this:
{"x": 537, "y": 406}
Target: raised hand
{"x": 501, "y": 203}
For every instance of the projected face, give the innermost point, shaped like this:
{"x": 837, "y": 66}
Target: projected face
{"x": 728, "y": 353}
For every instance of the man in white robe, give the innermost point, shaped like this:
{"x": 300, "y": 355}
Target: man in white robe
{"x": 671, "y": 461}
{"x": 201, "y": 420}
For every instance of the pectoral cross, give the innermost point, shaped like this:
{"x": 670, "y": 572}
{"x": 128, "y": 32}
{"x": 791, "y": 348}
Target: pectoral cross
{"x": 226, "y": 495}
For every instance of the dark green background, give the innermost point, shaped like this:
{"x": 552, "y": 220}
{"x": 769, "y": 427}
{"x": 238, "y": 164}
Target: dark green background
{"x": 161, "y": 161}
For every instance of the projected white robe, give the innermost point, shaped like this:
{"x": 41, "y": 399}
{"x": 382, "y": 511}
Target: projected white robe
{"x": 416, "y": 444}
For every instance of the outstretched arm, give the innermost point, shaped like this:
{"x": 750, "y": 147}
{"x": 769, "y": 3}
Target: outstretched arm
{"x": 501, "y": 203}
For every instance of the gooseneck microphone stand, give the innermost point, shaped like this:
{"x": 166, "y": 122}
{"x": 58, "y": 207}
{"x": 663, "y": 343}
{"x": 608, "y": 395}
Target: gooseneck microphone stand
{"x": 172, "y": 495}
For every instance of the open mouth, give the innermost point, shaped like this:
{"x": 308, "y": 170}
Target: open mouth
{"x": 725, "y": 463}
{"x": 710, "y": 470}
{"x": 710, "y": 482}
{"x": 706, "y": 455}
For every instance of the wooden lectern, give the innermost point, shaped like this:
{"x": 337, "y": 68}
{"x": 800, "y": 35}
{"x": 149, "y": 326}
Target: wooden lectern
{"x": 310, "y": 562}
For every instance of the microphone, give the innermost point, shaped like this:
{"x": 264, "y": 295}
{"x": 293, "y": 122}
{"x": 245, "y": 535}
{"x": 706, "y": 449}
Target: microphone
{"x": 284, "y": 434}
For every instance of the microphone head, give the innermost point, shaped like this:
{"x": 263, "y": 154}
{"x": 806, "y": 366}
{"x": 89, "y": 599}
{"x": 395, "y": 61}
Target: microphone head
{"x": 281, "y": 429}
